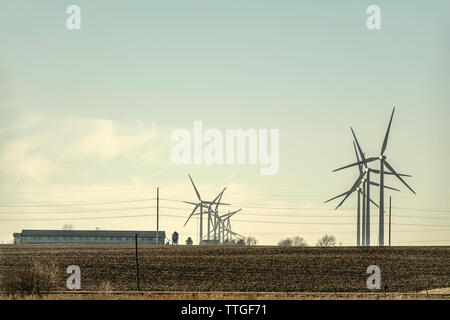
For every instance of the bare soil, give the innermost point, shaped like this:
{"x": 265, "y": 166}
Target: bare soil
{"x": 189, "y": 271}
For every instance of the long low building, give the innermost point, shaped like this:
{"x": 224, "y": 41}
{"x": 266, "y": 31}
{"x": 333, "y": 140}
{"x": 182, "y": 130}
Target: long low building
{"x": 89, "y": 236}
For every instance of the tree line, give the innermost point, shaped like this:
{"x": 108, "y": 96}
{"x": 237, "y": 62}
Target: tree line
{"x": 327, "y": 240}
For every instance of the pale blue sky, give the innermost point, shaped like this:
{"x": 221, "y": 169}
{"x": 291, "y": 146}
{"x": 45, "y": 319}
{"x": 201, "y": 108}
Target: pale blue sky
{"x": 94, "y": 108}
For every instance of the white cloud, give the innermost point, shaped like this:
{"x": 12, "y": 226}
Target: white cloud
{"x": 19, "y": 160}
{"x": 43, "y": 145}
{"x": 109, "y": 139}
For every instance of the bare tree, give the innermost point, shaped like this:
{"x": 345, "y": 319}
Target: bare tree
{"x": 251, "y": 241}
{"x": 285, "y": 243}
{"x": 293, "y": 242}
{"x": 327, "y": 241}
{"x": 299, "y": 242}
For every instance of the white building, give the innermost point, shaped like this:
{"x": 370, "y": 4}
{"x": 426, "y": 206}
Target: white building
{"x": 88, "y": 236}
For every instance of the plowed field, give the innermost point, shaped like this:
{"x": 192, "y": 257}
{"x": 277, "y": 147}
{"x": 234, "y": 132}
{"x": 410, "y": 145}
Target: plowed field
{"x": 240, "y": 269}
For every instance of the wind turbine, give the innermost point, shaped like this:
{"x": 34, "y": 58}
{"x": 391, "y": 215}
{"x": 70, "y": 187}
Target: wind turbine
{"x": 224, "y": 226}
{"x": 383, "y": 162}
{"x": 204, "y": 205}
{"x": 364, "y": 179}
{"x": 226, "y": 219}
{"x": 217, "y": 217}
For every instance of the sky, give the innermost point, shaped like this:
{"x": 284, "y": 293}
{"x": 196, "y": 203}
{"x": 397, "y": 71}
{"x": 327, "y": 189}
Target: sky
{"x": 86, "y": 116}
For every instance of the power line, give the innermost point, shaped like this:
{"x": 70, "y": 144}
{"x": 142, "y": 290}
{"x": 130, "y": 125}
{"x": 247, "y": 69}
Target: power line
{"x": 246, "y": 205}
{"x": 186, "y": 189}
{"x": 243, "y": 205}
{"x": 183, "y": 217}
{"x": 78, "y": 191}
{"x": 317, "y": 216}
{"x": 83, "y": 211}
{"x": 77, "y": 218}
{"x": 210, "y": 190}
{"x": 53, "y": 204}
{"x": 181, "y": 209}
{"x": 333, "y": 223}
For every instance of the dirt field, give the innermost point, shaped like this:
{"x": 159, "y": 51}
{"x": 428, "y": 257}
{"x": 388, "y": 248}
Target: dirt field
{"x": 241, "y": 269}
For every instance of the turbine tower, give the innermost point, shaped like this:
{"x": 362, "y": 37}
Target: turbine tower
{"x": 383, "y": 162}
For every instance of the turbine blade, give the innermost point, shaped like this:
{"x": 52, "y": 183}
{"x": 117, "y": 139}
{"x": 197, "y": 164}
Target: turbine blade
{"x": 352, "y": 189}
{"x": 226, "y": 217}
{"x": 376, "y": 184}
{"x": 195, "y": 208}
{"x": 342, "y": 194}
{"x": 400, "y": 174}
{"x": 357, "y": 158}
{"x": 340, "y": 204}
{"x": 386, "y": 137}
{"x": 194, "y": 203}
{"x": 390, "y": 173}
{"x": 195, "y": 188}
{"x": 219, "y": 197}
{"x": 357, "y": 163}
{"x": 236, "y": 234}
{"x": 359, "y": 147}
{"x": 374, "y": 203}
{"x": 390, "y": 188}
{"x": 209, "y": 203}
{"x": 396, "y": 174}
{"x": 229, "y": 214}
{"x": 234, "y": 212}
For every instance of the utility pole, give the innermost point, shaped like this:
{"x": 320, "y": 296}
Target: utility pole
{"x": 358, "y": 220}
{"x": 363, "y": 226}
{"x": 137, "y": 261}
{"x": 201, "y": 223}
{"x": 368, "y": 209}
{"x": 390, "y": 206}
{"x": 157, "y": 215}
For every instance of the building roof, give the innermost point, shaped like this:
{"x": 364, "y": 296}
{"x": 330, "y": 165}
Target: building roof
{"x": 91, "y": 233}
